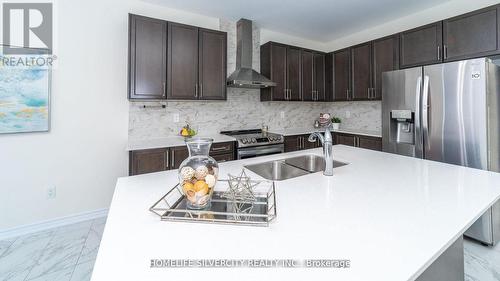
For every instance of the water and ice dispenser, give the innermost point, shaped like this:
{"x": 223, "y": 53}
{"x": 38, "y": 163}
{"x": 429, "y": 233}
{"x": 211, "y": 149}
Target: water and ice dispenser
{"x": 402, "y": 126}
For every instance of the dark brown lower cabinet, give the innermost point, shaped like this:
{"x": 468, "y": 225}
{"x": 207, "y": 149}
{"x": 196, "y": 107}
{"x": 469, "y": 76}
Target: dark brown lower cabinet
{"x": 223, "y": 157}
{"x": 299, "y": 142}
{"x": 345, "y": 139}
{"x": 148, "y": 161}
{"x": 161, "y": 159}
{"x": 370, "y": 142}
{"x": 177, "y": 155}
{"x": 367, "y": 142}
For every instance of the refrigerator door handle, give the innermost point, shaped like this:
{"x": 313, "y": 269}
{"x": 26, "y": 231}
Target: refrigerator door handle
{"x": 425, "y": 111}
{"x": 418, "y": 124}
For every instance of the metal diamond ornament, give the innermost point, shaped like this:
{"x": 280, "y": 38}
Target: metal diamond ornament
{"x": 240, "y": 188}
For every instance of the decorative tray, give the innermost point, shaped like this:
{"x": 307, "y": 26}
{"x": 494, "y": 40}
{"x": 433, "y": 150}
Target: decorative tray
{"x": 257, "y": 212}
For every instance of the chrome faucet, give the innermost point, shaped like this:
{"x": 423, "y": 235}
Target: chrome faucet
{"x": 327, "y": 142}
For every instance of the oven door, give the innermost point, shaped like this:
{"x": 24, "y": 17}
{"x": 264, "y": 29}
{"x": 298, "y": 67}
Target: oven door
{"x": 249, "y": 152}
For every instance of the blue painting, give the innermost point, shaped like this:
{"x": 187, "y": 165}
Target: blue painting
{"x": 24, "y": 100}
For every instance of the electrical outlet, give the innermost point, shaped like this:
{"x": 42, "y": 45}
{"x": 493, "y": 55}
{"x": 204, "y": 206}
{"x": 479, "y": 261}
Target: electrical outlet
{"x": 282, "y": 114}
{"x": 51, "y": 192}
{"x": 347, "y": 114}
{"x": 176, "y": 117}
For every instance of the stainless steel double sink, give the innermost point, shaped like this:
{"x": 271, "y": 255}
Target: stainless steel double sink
{"x": 291, "y": 167}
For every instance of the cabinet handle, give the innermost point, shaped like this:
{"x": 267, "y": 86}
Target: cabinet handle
{"x": 196, "y": 90}
{"x": 289, "y": 94}
{"x": 439, "y": 53}
{"x": 172, "y": 160}
{"x": 347, "y": 94}
{"x": 445, "y": 51}
{"x": 201, "y": 90}
{"x": 286, "y": 94}
{"x": 164, "y": 91}
{"x": 298, "y": 142}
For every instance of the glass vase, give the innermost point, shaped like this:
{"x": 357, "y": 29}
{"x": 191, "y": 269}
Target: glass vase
{"x": 198, "y": 173}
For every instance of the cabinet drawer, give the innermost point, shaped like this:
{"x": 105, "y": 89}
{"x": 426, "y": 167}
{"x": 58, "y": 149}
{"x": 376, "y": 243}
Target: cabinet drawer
{"x": 221, "y": 148}
{"x": 223, "y": 157}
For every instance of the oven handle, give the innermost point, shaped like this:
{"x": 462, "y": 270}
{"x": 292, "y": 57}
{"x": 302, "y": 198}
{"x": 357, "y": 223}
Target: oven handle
{"x": 260, "y": 150}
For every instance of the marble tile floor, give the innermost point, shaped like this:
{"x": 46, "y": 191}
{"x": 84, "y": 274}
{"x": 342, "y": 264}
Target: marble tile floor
{"x": 65, "y": 253}
{"x": 68, "y": 253}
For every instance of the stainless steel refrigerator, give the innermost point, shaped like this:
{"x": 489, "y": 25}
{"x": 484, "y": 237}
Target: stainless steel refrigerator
{"x": 449, "y": 113}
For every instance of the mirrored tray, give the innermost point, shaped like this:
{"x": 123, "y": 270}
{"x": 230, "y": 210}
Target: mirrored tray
{"x": 259, "y": 212}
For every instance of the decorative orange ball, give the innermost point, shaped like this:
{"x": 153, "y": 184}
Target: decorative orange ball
{"x": 201, "y": 186}
{"x": 187, "y": 186}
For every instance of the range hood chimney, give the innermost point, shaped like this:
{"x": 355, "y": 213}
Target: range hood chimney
{"x": 244, "y": 76}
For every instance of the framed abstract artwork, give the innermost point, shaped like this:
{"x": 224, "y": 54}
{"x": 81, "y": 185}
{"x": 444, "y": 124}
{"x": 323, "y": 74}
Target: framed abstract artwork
{"x": 24, "y": 96}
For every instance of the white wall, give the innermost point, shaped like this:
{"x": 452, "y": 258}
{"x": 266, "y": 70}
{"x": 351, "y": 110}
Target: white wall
{"x": 84, "y": 152}
{"x": 437, "y": 13}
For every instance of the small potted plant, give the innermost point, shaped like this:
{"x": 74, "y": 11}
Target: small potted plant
{"x": 336, "y": 123}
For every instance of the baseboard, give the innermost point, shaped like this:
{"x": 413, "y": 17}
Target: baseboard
{"x": 57, "y": 222}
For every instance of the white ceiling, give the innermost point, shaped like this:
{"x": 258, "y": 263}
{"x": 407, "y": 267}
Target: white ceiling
{"x": 319, "y": 20}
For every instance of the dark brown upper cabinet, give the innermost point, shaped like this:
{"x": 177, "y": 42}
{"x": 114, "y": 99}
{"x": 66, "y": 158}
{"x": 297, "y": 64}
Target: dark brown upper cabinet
{"x": 299, "y": 74}
{"x": 342, "y": 75}
{"x": 274, "y": 66}
{"x": 147, "y": 58}
{"x": 182, "y": 82}
{"x": 329, "y": 77}
{"x": 175, "y": 61}
{"x": 212, "y": 65}
{"x": 361, "y": 68}
{"x": 293, "y": 73}
{"x": 307, "y": 75}
{"x": 385, "y": 58}
{"x": 422, "y": 45}
{"x": 313, "y": 76}
{"x": 319, "y": 77}
{"x": 471, "y": 35}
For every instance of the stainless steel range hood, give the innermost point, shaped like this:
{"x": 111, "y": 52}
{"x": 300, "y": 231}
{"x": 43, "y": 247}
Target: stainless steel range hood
{"x": 244, "y": 76}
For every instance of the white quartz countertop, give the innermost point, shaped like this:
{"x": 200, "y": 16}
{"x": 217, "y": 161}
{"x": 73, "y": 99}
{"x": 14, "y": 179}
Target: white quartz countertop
{"x": 390, "y": 215}
{"x": 171, "y": 142}
{"x": 308, "y": 130}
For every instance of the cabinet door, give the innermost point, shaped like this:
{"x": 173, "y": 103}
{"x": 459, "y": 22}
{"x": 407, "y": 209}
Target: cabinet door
{"x": 293, "y": 73}
{"x": 345, "y": 139}
{"x": 307, "y": 75}
{"x": 421, "y": 45}
{"x": 471, "y": 35}
{"x": 292, "y": 143}
{"x": 223, "y": 157}
{"x": 385, "y": 58}
{"x": 361, "y": 71}
{"x": 147, "y": 58}
{"x": 148, "y": 161}
{"x": 177, "y": 155}
{"x": 341, "y": 68}
{"x": 370, "y": 143}
{"x": 319, "y": 76}
{"x": 329, "y": 79}
{"x": 278, "y": 71}
{"x": 212, "y": 65}
{"x": 308, "y": 144}
{"x": 182, "y": 62}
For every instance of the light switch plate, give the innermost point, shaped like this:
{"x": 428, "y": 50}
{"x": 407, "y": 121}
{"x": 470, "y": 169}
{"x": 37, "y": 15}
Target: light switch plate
{"x": 176, "y": 117}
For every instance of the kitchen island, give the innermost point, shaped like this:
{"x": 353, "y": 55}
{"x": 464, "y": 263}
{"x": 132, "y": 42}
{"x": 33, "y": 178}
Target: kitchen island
{"x": 391, "y": 216}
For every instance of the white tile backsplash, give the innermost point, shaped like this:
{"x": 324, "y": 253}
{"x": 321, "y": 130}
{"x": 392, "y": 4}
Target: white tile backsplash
{"x": 243, "y": 109}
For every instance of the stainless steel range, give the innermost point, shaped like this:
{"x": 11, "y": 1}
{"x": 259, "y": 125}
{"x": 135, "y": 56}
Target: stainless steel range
{"x": 253, "y": 143}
